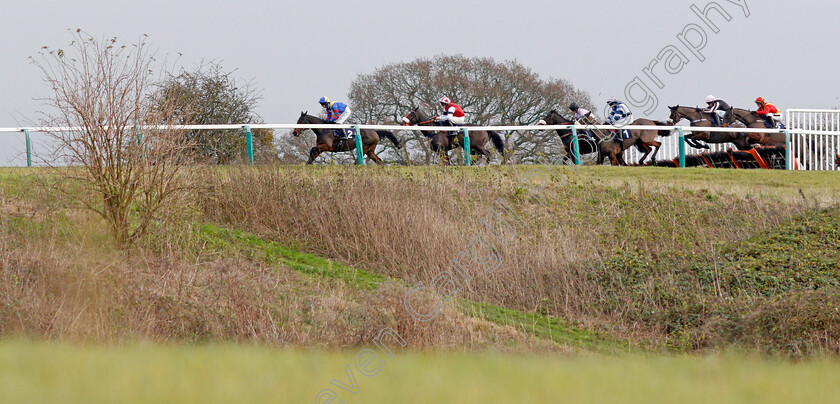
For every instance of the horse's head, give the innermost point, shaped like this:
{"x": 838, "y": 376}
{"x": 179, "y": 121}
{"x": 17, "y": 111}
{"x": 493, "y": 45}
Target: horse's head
{"x": 302, "y": 120}
{"x": 675, "y": 115}
{"x": 553, "y": 118}
{"x": 412, "y": 117}
{"x": 730, "y": 116}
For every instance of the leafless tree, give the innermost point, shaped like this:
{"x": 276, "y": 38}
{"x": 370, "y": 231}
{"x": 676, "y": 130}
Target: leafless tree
{"x": 490, "y": 92}
{"x": 125, "y": 168}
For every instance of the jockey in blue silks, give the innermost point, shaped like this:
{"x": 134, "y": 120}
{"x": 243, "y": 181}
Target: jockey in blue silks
{"x": 619, "y": 115}
{"x": 337, "y": 113}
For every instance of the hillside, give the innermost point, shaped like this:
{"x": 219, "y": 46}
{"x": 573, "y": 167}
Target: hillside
{"x": 604, "y": 259}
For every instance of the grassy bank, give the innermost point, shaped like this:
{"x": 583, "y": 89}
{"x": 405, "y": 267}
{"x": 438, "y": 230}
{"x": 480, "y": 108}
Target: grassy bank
{"x": 323, "y": 257}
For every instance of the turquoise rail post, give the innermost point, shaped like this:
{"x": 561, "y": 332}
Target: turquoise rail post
{"x": 467, "y": 156}
{"x": 28, "y": 147}
{"x": 575, "y": 147}
{"x": 788, "y": 160}
{"x": 249, "y": 143}
{"x": 682, "y": 146}
{"x": 139, "y": 135}
{"x": 359, "y": 160}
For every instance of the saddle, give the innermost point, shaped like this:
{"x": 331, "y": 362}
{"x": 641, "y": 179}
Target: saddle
{"x": 621, "y": 135}
{"x": 339, "y": 144}
{"x": 349, "y": 133}
{"x": 773, "y": 124}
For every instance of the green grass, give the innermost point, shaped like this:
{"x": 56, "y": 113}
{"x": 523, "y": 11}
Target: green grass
{"x": 549, "y": 328}
{"x": 255, "y": 248}
{"x": 35, "y": 372}
{"x": 779, "y": 290}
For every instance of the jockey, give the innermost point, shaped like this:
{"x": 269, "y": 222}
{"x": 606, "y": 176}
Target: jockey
{"x": 717, "y": 108}
{"x": 453, "y": 114}
{"x": 619, "y": 115}
{"x": 337, "y": 113}
{"x": 772, "y": 116}
{"x": 581, "y": 115}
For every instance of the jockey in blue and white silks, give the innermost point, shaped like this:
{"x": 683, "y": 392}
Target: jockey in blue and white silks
{"x": 619, "y": 115}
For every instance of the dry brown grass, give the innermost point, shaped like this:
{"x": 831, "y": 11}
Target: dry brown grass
{"x": 409, "y": 224}
{"x": 83, "y": 289}
{"x": 62, "y": 280}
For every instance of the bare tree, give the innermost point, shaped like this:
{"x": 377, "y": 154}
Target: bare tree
{"x": 490, "y": 92}
{"x": 100, "y": 96}
{"x": 209, "y": 94}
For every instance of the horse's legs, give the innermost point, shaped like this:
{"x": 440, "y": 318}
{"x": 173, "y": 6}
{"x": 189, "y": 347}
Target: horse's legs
{"x": 370, "y": 151}
{"x": 696, "y": 144}
{"x": 483, "y": 152}
{"x": 644, "y": 156}
{"x": 313, "y": 154}
{"x": 621, "y": 160}
{"x": 657, "y": 145}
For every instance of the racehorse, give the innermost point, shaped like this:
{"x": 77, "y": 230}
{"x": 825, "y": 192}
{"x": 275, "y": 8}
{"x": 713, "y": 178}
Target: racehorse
{"x": 646, "y": 138}
{"x": 604, "y": 146}
{"x": 702, "y": 119}
{"x": 442, "y": 142}
{"x": 752, "y": 120}
{"x": 326, "y": 141}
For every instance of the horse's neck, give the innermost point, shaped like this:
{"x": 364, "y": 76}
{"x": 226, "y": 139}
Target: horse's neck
{"x": 745, "y": 117}
{"x": 314, "y": 120}
{"x": 695, "y": 116}
{"x": 422, "y": 119}
{"x": 561, "y": 120}
{"x": 565, "y": 134}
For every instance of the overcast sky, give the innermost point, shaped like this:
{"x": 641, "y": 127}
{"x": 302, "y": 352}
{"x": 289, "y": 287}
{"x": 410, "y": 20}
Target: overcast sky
{"x": 298, "y": 51}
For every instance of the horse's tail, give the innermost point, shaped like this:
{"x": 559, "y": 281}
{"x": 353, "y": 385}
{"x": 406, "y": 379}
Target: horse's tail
{"x": 389, "y": 135}
{"x": 664, "y": 132}
{"x": 498, "y": 141}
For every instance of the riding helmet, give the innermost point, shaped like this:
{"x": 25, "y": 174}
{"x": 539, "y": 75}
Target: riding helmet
{"x": 573, "y": 106}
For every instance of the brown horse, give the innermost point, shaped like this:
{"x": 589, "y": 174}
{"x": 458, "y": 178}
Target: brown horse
{"x": 646, "y": 138}
{"x": 702, "y": 119}
{"x": 752, "y": 120}
{"x": 603, "y": 144}
{"x": 326, "y": 141}
{"x": 442, "y": 142}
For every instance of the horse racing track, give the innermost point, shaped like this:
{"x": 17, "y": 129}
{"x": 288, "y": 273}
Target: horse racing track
{"x": 810, "y": 142}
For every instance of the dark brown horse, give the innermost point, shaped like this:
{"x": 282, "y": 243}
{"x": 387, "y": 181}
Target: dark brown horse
{"x": 443, "y": 142}
{"x": 602, "y": 143}
{"x": 326, "y": 141}
{"x": 702, "y": 119}
{"x": 752, "y": 120}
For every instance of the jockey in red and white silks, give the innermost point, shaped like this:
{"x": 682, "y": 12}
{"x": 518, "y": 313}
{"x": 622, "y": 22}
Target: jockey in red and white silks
{"x": 452, "y": 114}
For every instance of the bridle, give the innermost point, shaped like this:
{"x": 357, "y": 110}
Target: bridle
{"x": 415, "y": 115}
